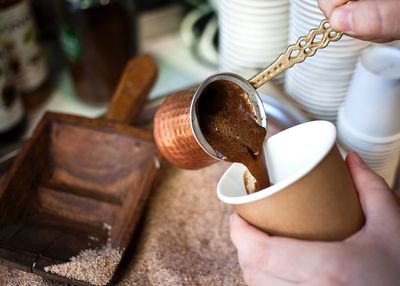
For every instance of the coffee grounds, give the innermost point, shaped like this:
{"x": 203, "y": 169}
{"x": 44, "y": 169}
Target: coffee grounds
{"x": 95, "y": 266}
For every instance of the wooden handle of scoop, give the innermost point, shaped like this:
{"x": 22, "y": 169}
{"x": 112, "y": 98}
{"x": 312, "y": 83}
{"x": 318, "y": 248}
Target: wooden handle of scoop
{"x": 133, "y": 88}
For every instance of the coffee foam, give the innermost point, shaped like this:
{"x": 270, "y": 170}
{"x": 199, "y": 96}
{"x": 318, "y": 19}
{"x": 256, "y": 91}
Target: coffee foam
{"x": 250, "y": 183}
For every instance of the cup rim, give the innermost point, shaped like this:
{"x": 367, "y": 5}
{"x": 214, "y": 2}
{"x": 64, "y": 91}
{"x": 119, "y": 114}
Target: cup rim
{"x": 281, "y": 185}
{"x": 368, "y": 64}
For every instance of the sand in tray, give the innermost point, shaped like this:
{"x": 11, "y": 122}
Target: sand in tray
{"x": 95, "y": 266}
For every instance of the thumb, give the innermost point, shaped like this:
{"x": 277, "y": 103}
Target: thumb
{"x": 378, "y": 202}
{"x": 368, "y": 19}
{"x": 246, "y": 237}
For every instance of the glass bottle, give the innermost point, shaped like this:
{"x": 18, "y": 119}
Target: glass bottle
{"x": 98, "y": 38}
{"x": 18, "y": 38}
{"x": 12, "y": 114}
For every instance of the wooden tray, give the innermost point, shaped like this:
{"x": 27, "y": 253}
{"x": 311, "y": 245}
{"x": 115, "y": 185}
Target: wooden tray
{"x": 75, "y": 178}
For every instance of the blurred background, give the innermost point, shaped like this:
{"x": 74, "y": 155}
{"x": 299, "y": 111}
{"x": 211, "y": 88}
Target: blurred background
{"x": 67, "y": 55}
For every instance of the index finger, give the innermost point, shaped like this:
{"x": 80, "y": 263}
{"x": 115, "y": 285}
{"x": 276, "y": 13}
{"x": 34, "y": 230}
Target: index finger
{"x": 327, "y": 6}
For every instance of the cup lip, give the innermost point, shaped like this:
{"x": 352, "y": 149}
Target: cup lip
{"x": 245, "y": 85}
{"x": 279, "y": 186}
{"x": 370, "y": 67}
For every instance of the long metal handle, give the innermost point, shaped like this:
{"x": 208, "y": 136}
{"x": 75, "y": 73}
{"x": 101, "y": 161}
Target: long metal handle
{"x": 306, "y": 46}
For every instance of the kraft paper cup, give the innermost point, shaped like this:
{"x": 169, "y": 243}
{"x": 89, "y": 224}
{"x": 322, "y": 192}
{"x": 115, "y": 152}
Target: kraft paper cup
{"x": 312, "y": 196}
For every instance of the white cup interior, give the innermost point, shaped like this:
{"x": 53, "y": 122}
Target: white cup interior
{"x": 290, "y": 155}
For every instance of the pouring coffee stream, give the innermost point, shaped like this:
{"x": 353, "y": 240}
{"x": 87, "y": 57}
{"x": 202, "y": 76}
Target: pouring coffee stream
{"x": 229, "y": 124}
{"x": 224, "y": 119}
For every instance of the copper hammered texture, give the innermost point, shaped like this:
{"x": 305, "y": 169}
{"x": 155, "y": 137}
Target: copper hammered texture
{"x": 174, "y": 136}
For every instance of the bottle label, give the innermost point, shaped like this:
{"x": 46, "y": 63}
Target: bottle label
{"x": 18, "y": 39}
{"x": 11, "y": 108}
{"x": 70, "y": 43}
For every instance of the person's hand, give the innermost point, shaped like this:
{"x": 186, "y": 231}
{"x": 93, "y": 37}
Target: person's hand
{"x": 372, "y": 20}
{"x": 369, "y": 257}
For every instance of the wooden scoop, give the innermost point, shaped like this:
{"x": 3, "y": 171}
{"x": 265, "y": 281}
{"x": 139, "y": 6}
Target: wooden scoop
{"x": 79, "y": 183}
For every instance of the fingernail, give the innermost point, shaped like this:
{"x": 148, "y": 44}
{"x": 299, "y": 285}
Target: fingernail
{"x": 342, "y": 19}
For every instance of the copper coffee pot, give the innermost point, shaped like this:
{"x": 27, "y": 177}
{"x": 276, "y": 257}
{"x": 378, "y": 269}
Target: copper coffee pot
{"x": 176, "y": 125}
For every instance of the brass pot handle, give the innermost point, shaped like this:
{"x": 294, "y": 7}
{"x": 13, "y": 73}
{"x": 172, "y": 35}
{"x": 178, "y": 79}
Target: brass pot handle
{"x": 306, "y": 46}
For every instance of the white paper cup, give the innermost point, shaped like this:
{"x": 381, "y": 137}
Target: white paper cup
{"x": 315, "y": 106}
{"x": 253, "y": 11}
{"x": 311, "y": 8}
{"x": 338, "y": 67}
{"x": 372, "y": 107}
{"x": 258, "y": 3}
{"x": 327, "y": 85}
{"x": 323, "y": 99}
{"x": 250, "y": 49}
{"x": 312, "y": 196}
{"x": 251, "y": 20}
{"x": 358, "y": 139}
{"x": 317, "y": 110}
{"x": 383, "y": 158}
{"x": 252, "y": 33}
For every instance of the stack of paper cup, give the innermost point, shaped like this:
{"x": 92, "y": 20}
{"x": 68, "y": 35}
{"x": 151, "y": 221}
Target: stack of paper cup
{"x": 369, "y": 121}
{"x": 320, "y": 84}
{"x": 253, "y": 33}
